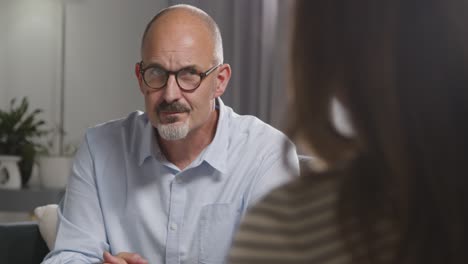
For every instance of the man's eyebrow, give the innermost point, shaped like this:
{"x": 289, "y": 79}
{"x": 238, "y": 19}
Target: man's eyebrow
{"x": 157, "y": 65}
{"x": 153, "y": 64}
{"x": 191, "y": 66}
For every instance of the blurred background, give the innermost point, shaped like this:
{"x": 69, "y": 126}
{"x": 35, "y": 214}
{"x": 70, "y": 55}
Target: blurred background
{"x": 81, "y": 53}
{"x": 74, "y": 60}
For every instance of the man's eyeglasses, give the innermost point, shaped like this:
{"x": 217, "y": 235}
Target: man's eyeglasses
{"x": 188, "y": 79}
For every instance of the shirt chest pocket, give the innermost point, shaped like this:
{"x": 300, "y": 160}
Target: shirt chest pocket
{"x": 217, "y": 225}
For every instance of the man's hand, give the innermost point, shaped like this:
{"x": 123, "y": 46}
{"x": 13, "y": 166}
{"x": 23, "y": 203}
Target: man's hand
{"x": 123, "y": 258}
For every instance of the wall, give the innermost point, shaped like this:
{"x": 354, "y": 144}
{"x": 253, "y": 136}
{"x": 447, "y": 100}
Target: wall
{"x": 3, "y": 54}
{"x": 29, "y": 46}
{"x": 102, "y": 43}
{"x": 102, "y": 47}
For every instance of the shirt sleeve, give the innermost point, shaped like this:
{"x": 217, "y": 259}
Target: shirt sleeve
{"x": 81, "y": 236}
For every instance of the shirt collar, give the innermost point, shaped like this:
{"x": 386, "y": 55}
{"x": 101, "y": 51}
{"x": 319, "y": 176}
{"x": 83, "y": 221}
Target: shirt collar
{"x": 148, "y": 145}
{"x": 214, "y": 154}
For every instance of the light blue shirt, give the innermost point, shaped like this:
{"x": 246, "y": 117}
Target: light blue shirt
{"x": 123, "y": 195}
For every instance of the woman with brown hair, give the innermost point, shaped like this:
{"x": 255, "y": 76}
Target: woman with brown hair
{"x": 395, "y": 190}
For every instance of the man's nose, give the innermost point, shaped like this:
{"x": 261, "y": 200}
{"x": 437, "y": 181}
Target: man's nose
{"x": 172, "y": 91}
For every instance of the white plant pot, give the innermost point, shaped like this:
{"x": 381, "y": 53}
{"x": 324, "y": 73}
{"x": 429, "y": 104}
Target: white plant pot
{"x": 10, "y": 177}
{"x": 54, "y": 171}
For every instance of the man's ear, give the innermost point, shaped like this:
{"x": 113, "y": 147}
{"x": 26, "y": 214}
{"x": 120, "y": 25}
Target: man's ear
{"x": 139, "y": 77}
{"x": 223, "y": 77}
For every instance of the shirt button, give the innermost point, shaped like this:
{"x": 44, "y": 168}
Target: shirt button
{"x": 173, "y": 227}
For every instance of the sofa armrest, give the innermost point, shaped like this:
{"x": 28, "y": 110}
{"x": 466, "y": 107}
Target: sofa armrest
{"x": 21, "y": 243}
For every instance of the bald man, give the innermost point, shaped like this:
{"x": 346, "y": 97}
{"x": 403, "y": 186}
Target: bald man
{"x": 170, "y": 185}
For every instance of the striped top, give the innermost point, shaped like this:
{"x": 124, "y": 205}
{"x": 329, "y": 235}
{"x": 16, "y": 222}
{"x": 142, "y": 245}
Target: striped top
{"x": 296, "y": 223}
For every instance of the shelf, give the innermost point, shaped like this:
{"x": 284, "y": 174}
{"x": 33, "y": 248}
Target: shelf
{"x": 25, "y": 200}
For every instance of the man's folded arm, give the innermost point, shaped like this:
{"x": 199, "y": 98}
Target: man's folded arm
{"x": 81, "y": 236}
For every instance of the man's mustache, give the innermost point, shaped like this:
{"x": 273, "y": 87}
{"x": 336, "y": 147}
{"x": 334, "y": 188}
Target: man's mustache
{"x": 172, "y": 107}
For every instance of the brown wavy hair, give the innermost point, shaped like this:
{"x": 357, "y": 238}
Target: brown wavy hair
{"x": 400, "y": 67}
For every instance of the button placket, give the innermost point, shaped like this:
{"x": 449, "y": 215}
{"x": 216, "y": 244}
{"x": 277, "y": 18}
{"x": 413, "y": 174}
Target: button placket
{"x": 176, "y": 218}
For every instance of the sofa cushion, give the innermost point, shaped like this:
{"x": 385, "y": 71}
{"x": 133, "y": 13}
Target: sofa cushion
{"x": 21, "y": 243}
{"x": 47, "y": 218}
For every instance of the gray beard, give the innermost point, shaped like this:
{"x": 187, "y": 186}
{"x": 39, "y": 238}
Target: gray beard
{"x": 173, "y": 131}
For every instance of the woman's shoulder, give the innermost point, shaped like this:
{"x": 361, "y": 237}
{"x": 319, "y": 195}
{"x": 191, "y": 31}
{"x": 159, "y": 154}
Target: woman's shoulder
{"x": 299, "y": 206}
{"x": 303, "y": 191}
{"x": 296, "y": 220}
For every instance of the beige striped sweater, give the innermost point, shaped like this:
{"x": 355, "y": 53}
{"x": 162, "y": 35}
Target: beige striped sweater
{"x": 296, "y": 223}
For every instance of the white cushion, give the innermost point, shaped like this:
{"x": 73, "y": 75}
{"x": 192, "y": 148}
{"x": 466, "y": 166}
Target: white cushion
{"x": 47, "y": 219}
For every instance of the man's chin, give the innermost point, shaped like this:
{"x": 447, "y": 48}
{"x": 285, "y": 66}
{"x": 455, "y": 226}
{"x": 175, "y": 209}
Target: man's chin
{"x": 173, "y": 131}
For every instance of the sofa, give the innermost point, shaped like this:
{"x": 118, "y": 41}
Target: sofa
{"x": 21, "y": 243}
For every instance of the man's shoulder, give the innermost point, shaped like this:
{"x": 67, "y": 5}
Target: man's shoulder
{"x": 252, "y": 127}
{"x": 134, "y": 121}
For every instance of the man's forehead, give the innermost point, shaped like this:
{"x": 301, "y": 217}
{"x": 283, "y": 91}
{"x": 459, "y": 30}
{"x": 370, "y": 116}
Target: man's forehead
{"x": 177, "y": 52}
{"x": 172, "y": 60}
{"x": 178, "y": 48}
{"x": 177, "y": 39}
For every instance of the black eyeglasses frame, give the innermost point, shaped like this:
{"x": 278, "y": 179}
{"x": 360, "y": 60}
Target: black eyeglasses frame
{"x": 202, "y": 75}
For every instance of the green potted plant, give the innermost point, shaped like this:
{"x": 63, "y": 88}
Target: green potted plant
{"x": 18, "y": 129}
